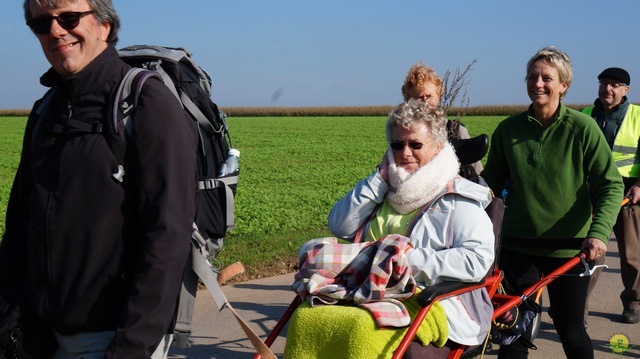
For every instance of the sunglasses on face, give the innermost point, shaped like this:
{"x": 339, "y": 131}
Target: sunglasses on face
{"x": 67, "y": 20}
{"x": 399, "y": 146}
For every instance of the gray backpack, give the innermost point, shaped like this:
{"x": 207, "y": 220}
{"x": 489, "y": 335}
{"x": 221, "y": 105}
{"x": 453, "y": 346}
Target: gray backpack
{"x": 215, "y": 207}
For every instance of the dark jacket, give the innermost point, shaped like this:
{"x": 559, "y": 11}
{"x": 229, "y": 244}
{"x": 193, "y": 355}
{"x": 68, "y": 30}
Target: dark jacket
{"x": 96, "y": 254}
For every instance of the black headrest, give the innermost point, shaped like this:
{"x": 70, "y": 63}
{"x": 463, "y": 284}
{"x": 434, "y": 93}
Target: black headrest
{"x": 471, "y": 150}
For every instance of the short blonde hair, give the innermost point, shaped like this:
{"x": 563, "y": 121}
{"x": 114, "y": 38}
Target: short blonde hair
{"x": 419, "y": 75}
{"x": 558, "y": 60}
{"x": 415, "y": 112}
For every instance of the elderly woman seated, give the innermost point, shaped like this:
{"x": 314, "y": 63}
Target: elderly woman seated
{"x": 416, "y": 200}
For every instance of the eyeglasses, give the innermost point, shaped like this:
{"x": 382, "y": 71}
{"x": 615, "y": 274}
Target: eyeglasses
{"x": 399, "y": 146}
{"x": 613, "y": 85}
{"x": 67, "y": 20}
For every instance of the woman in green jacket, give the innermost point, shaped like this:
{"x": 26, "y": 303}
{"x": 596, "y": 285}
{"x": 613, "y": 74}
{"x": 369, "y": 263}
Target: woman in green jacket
{"x": 564, "y": 195}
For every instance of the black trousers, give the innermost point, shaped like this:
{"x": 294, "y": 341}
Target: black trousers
{"x": 567, "y": 297}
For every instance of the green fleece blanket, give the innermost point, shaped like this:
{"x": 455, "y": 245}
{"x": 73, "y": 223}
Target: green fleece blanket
{"x": 341, "y": 332}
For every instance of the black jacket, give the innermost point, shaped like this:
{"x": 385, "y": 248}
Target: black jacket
{"x": 87, "y": 252}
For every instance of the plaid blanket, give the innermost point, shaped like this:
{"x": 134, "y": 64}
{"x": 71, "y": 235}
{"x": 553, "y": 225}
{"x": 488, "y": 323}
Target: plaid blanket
{"x": 373, "y": 275}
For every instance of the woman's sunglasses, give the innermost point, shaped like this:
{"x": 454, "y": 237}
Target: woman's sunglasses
{"x": 399, "y": 146}
{"x": 67, "y": 20}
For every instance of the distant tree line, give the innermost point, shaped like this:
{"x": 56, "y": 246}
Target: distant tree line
{"x": 492, "y": 110}
{"x": 350, "y": 111}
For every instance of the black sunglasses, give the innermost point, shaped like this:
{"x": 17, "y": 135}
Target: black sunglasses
{"x": 399, "y": 146}
{"x": 67, "y": 20}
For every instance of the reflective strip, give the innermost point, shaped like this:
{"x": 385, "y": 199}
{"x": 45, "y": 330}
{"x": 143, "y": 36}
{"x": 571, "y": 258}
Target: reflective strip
{"x": 625, "y": 150}
{"x": 626, "y": 162}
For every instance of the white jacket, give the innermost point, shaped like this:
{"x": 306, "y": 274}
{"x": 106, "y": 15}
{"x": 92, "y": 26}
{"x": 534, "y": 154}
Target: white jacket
{"x": 453, "y": 241}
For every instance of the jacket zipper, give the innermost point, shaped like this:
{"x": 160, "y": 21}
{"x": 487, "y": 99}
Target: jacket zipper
{"x": 47, "y": 276}
{"x": 70, "y": 108}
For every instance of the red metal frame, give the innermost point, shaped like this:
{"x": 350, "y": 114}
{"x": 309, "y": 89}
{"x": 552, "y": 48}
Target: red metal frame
{"x": 491, "y": 284}
{"x": 295, "y": 303}
{"x": 501, "y": 303}
{"x": 505, "y": 302}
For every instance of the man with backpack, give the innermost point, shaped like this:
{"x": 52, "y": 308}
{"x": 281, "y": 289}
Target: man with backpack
{"x": 94, "y": 250}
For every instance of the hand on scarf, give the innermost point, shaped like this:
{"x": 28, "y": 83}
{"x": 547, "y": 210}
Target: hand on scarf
{"x": 383, "y": 168}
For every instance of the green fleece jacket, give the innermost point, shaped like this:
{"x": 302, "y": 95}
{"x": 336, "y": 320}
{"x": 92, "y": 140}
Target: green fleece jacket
{"x": 551, "y": 173}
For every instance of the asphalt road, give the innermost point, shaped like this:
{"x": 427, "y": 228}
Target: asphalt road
{"x": 262, "y": 302}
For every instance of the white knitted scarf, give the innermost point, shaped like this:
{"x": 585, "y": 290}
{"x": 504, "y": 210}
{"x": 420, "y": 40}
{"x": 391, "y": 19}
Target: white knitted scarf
{"x": 410, "y": 191}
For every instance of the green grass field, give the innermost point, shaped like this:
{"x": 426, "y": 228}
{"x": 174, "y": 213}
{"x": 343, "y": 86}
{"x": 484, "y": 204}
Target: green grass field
{"x": 293, "y": 169}
{"x": 11, "y": 132}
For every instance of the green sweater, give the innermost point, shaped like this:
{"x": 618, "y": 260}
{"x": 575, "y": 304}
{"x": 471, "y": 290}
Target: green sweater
{"x": 551, "y": 172}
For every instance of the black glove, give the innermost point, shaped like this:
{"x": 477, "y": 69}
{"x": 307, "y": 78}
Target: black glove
{"x": 10, "y": 334}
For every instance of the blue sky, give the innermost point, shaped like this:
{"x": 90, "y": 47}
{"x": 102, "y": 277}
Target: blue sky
{"x": 355, "y": 53}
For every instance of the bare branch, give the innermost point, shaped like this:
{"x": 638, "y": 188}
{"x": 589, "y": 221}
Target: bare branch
{"x": 451, "y": 88}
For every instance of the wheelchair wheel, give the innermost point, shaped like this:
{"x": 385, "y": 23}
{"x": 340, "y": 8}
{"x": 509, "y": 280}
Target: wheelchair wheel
{"x": 532, "y": 331}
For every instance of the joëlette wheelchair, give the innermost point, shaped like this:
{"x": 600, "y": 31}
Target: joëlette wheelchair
{"x": 468, "y": 151}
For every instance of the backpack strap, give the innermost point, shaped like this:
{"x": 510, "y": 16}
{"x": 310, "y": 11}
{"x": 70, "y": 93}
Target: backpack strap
{"x": 70, "y": 126}
{"x": 226, "y": 183}
{"x": 186, "y": 102}
{"x": 46, "y": 99}
{"x": 125, "y": 101}
{"x": 209, "y": 277}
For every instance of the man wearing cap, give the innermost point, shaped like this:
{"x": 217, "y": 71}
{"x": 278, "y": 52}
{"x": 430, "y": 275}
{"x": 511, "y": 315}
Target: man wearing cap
{"x": 620, "y": 122}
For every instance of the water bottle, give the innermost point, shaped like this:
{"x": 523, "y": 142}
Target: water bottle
{"x": 230, "y": 165}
